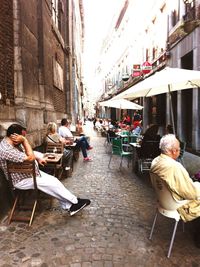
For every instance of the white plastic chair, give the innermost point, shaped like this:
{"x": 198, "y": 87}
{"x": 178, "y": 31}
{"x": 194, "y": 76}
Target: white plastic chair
{"x": 167, "y": 206}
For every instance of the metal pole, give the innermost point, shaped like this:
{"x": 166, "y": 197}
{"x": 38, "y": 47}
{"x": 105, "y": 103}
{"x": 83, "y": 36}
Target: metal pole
{"x": 171, "y": 109}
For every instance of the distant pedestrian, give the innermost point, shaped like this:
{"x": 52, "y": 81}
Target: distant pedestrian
{"x": 94, "y": 122}
{"x": 136, "y": 119}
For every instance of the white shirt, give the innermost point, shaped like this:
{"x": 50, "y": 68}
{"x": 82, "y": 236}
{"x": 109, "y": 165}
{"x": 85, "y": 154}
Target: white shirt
{"x": 64, "y": 132}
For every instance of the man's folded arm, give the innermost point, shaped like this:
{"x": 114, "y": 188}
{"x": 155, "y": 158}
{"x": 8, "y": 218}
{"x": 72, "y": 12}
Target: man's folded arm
{"x": 28, "y": 150}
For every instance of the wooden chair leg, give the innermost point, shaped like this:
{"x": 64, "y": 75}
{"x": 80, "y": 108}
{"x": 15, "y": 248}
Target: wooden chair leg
{"x": 33, "y": 212}
{"x": 13, "y": 209}
{"x": 60, "y": 172}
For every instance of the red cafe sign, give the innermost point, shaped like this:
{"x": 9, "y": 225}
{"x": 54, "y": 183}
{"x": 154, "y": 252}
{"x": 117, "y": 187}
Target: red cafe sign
{"x": 146, "y": 67}
{"x": 136, "y": 70}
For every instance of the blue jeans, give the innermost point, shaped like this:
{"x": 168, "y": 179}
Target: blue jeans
{"x": 83, "y": 144}
{"x": 67, "y": 158}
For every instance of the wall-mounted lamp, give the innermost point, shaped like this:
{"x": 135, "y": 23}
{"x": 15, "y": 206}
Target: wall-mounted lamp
{"x": 168, "y": 54}
{"x": 125, "y": 77}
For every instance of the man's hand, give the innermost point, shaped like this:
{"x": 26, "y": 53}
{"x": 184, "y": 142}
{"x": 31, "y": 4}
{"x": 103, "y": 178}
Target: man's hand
{"x": 42, "y": 162}
{"x": 17, "y": 139}
{"x": 39, "y": 157}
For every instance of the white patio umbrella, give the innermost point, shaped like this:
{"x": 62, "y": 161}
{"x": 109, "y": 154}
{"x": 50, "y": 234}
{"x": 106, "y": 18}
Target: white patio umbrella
{"x": 164, "y": 81}
{"x": 120, "y": 104}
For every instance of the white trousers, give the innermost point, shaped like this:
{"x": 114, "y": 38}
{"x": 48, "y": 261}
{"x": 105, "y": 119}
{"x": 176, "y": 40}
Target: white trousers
{"x": 51, "y": 186}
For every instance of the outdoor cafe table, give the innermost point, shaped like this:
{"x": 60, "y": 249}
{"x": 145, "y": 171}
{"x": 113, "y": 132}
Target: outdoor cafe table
{"x": 53, "y": 160}
{"x": 130, "y": 137}
{"x": 120, "y": 134}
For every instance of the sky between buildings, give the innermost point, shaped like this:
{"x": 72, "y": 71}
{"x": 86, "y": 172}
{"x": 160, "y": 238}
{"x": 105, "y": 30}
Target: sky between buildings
{"x": 98, "y": 15}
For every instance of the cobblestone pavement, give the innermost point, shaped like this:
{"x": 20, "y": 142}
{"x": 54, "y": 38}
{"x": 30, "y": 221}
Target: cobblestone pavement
{"x": 112, "y": 232}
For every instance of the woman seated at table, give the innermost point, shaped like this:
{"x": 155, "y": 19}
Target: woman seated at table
{"x": 137, "y": 129}
{"x": 126, "y": 119}
{"x": 53, "y": 136}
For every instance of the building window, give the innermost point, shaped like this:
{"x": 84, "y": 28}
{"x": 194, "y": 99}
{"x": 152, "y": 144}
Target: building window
{"x": 57, "y": 75}
{"x": 189, "y": 9}
{"x": 174, "y": 17}
{"x": 57, "y": 13}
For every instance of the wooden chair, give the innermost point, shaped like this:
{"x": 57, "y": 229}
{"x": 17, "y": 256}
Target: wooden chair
{"x": 55, "y": 148}
{"x": 20, "y": 200}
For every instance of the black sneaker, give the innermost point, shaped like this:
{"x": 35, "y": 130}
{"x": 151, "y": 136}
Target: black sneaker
{"x": 82, "y": 203}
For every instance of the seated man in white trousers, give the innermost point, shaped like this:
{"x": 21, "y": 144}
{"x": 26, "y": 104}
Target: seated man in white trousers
{"x": 15, "y": 147}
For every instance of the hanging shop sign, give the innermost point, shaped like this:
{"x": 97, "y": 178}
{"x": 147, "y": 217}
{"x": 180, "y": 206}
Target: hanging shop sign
{"x": 136, "y": 70}
{"x": 146, "y": 67}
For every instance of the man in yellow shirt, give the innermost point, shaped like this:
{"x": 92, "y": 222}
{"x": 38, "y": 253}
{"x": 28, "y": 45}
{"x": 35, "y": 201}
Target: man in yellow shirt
{"x": 178, "y": 180}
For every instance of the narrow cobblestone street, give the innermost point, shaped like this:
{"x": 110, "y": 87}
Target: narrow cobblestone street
{"x": 112, "y": 232}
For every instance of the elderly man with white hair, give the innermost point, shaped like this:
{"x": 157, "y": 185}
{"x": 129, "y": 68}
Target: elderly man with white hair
{"x": 178, "y": 181}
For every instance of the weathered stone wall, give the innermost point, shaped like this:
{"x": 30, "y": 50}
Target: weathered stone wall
{"x": 6, "y": 84}
{"x": 6, "y": 61}
{"x": 29, "y": 45}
